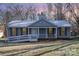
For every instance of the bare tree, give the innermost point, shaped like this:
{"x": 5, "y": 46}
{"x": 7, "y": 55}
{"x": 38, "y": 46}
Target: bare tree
{"x": 16, "y": 10}
{"x": 6, "y": 19}
{"x": 31, "y": 13}
{"x": 59, "y": 14}
{"x": 73, "y": 17}
{"x": 70, "y": 8}
{"x": 49, "y": 6}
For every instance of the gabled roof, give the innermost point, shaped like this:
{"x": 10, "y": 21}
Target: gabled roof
{"x": 42, "y": 23}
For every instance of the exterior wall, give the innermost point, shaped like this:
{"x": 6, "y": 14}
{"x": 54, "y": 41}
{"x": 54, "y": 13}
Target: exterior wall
{"x": 35, "y": 33}
{"x": 48, "y": 31}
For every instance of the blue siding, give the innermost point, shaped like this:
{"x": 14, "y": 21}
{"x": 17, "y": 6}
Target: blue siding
{"x": 17, "y": 31}
{"x": 59, "y": 31}
{"x": 66, "y": 31}
{"x": 21, "y": 33}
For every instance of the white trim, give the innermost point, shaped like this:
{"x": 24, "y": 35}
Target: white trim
{"x": 28, "y": 31}
{"x": 19, "y": 32}
{"x": 38, "y": 32}
{"x": 46, "y": 32}
{"x": 70, "y": 32}
{"x": 56, "y": 32}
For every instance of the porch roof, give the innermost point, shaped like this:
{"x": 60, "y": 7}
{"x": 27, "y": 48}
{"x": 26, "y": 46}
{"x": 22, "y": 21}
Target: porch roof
{"x": 39, "y": 23}
{"x": 60, "y": 23}
{"x": 20, "y": 23}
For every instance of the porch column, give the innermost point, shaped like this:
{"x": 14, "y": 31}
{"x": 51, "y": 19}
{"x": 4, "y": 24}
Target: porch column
{"x": 56, "y": 33}
{"x": 19, "y": 32}
{"x": 70, "y": 32}
{"x": 28, "y": 31}
{"x": 46, "y": 33}
{"x": 38, "y": 32}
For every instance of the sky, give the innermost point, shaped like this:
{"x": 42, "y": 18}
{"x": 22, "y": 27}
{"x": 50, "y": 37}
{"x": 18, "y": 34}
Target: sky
{"x": 25, "y": 5}
{"x": 39, "y": 6}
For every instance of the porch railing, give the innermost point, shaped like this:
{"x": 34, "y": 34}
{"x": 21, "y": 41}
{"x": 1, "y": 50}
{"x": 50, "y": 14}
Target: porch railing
{"x": 22, "y": 37}
{"x": 46, "y": 36}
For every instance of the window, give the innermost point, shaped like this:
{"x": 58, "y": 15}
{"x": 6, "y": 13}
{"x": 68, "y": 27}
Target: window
{"x": 62, "y": 31}
{"x": 14, "y": 31}
{"x": 23, "y": 31}
{"x": 50, "y": 30}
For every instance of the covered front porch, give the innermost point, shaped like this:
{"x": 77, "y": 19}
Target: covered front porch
{"x": 51, "y": 32}
{"x": 43, "y": 32}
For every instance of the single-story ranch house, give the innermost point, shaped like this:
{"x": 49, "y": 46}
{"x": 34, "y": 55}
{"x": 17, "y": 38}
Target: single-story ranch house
{"x": 26, "y": 30}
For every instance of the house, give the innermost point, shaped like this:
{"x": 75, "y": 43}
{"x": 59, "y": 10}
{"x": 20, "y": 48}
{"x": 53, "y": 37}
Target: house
{"x": 26, "y": 30}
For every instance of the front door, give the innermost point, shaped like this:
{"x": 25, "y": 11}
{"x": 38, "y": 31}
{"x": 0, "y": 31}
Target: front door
{"x": 42, "y": 32}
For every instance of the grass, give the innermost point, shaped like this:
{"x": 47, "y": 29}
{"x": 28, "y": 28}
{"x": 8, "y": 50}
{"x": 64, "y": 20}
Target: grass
{"x": 54, "y": 53}
{"x": 37, "y": 52}
{"x": 52, "y": 48}
{"x": 72, "y": 50}
{"x": 20, "y": 48}
{"x": 26, "y": 46}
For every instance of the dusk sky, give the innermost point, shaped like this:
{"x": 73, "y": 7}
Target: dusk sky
{"x": 25, "y": 5}
{"x": 39, "y": 6}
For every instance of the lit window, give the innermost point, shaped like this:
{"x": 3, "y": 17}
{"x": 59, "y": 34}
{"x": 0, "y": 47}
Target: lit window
{"x": 62, "y": 31}
{"x": 24, "y": 31}
{"x": 50, "y": 30}
{"x": 14, "y": 31}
